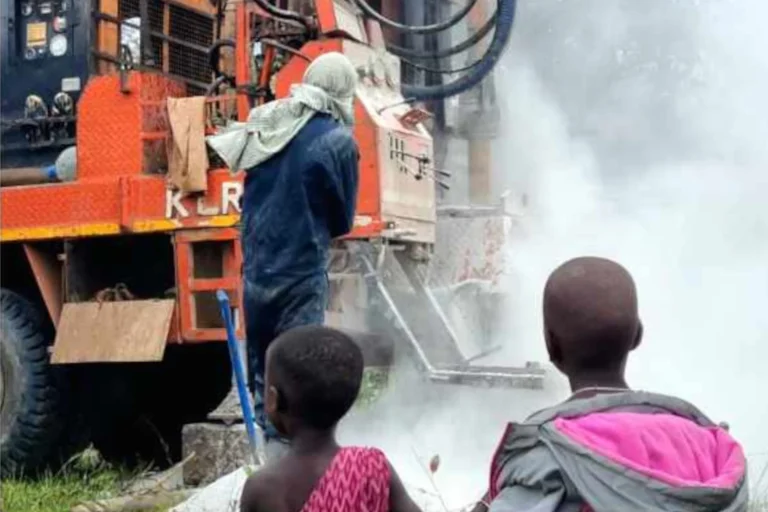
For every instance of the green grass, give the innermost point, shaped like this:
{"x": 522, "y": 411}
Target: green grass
{"x": 374, "y": 384}
{"x": 84, "y": 478}
{"x": 57, "y": 493}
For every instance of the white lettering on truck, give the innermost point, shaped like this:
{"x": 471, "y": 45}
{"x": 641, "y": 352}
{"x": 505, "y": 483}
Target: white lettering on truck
{"x": 229, "y": 202}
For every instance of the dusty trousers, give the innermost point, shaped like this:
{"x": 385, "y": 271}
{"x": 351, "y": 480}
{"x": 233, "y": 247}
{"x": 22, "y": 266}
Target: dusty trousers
{"x": 271, "y": 309}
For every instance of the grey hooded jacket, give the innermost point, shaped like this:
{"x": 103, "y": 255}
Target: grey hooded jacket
{"x": 614, "y": 452}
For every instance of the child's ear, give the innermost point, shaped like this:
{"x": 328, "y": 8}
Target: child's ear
{"x": 553, "y": 348}
{"x": 282, "y": 402}
{"x": 272, "y": 401}
{"x": 638, "y": 336}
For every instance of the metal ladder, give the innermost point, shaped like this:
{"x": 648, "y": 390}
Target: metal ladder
{"x": 429, "y": 334}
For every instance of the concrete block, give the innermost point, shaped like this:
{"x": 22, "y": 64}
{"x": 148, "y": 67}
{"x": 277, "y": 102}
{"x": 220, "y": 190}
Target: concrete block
{"x": 221, "y": 496}
{"x": 219, "y": 450}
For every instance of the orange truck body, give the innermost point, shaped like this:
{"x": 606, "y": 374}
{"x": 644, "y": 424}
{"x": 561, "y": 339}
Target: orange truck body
{"x": 120, "y": 189}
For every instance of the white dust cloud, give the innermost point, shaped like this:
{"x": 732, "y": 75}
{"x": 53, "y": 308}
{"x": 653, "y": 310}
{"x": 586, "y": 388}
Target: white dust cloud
{"x": 642, "y": 135}
{"x": 639, "y": 131}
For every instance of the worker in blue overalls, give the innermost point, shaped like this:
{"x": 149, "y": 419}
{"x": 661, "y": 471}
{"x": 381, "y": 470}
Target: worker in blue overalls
{"x": 301, "y": 164}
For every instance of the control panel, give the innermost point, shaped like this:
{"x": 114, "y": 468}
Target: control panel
{"x": 47, "y": 43}
{"x": 404, "y": 150}
{"x": 44, "y": 28}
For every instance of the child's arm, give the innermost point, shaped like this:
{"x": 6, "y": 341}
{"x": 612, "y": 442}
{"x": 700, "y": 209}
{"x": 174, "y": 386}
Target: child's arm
{"x": 254, "y": 495}
{"x": 399, "y": 500}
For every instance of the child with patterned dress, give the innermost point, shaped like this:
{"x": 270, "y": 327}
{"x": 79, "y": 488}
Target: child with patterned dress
{"x": 313, "y": 376}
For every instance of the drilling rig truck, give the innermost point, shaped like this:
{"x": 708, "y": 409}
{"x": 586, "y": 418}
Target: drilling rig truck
{"x": 110, "y": 329}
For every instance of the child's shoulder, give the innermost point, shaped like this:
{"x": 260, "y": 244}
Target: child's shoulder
{"x": 361, "y": 451}
{"x": 258, "y": 491}
{"x": 365, "y": 462}
{"x": 372, "y": 457}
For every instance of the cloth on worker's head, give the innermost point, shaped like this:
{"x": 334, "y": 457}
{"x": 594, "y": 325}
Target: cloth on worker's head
{"x": 328, "y": 87}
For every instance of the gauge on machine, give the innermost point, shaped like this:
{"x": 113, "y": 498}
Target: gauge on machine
{"x": 58, "y": 45}
{"x": 59, "y": 24}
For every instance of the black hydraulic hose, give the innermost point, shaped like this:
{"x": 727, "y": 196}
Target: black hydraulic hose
{"x": 220, "y": 80}
{"x": 283, "y": 13}
{"x": 449, "y": 71}
{"x": 442, "y": 71}
{"x": 447, "y": 52}
{"x": 214, "y": 54}
{"x": 506, "y": 15}
{"x": 421, "y": 29}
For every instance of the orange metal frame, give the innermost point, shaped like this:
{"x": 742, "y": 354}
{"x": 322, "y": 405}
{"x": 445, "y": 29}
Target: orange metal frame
{"x": 189, "y": 285}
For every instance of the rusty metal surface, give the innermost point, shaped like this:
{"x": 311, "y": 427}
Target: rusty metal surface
{"x": 467, "y": 273}
{"x": 47, "y": 270}
{"x": 470, "y": 248}
{"x": 113, "y": 332}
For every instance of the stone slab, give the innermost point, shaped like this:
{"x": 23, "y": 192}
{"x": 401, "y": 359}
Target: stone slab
{"x": 221, "y": 496}
{"x": 219, "y": 450}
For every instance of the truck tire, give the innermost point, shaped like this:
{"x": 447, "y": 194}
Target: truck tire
{"x": 30, "y": 410}
{"x": 136, "y": 411}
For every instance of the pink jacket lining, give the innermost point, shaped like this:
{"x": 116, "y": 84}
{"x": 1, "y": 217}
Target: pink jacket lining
{"x": 670, "y": 449}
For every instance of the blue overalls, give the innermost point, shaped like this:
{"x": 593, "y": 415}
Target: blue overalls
{"x": 294, "y": 204}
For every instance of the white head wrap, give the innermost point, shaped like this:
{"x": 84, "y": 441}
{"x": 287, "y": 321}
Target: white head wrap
{"x": 328, "y": 87}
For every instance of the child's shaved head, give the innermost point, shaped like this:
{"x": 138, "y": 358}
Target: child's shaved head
{"x": 317, "y": 373}
{"x": 591, "y": 316}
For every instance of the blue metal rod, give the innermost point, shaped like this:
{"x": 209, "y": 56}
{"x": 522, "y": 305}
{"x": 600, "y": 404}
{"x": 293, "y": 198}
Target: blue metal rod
{"x": 240, "y": 380}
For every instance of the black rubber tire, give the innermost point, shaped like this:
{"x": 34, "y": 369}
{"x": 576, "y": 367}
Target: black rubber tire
{"x": 136, "y": 411}
{"x": 31, "y": 417}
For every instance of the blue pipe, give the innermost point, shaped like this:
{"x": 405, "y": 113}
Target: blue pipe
{"x": 240, "y": 380}
{"x": 50, "y": 172}
{"x": 505, "y": 22}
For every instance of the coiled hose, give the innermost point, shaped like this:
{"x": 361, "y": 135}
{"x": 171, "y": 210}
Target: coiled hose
{"x": 283, "y": 13}
{"x": 506, "y": 18}
{"x": 214, "y": 54}
{"x": 441, "y": 71}
{"x": 447, "y": 52}
{"x": 422, "y": 29}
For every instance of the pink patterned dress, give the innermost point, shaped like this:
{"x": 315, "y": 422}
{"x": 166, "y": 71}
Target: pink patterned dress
{"x": 357, "y": 480}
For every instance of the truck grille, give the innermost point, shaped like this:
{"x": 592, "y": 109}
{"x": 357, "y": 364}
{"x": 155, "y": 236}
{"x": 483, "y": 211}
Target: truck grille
{"x": 179, "y": 39}
{"x": 194, "y": 28}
